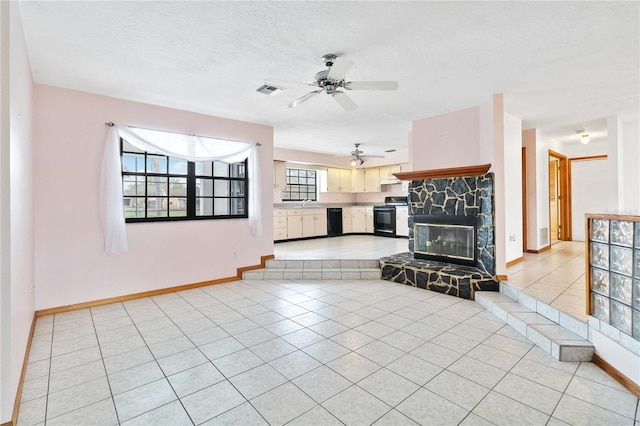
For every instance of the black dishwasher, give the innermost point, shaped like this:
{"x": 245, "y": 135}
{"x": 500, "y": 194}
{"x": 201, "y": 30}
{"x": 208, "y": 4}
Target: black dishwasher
{"x": 334, "y": 221}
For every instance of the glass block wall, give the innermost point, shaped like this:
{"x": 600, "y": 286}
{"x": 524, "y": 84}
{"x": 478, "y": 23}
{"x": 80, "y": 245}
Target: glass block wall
{"x": 614, "y": 271}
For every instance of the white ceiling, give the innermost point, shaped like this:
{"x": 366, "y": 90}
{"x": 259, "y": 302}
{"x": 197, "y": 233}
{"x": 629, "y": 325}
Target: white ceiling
{"x": 560, "y": 65}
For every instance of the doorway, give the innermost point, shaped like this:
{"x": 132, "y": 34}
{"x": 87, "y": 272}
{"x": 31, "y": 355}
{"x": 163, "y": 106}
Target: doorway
{"x": 559, "y": 219}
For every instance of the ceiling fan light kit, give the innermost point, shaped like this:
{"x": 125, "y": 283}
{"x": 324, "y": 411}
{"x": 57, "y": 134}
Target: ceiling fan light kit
{"x": 332, "y": 82}
{"x": 358, "y": 157}
{"x": 584, "y": 136}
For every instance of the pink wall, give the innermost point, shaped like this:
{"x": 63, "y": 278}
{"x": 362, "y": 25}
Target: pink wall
{"x": 71, "y": 266}
{"x": 472, "y": 136}
{"x": 16, "y": 206}
{"x": 446, "y": 140}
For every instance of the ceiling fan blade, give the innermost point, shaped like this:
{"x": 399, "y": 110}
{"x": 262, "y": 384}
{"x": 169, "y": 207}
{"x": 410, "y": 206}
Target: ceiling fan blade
{"x": 339, "y": 69}
{"x": 344, "y": 101}
{"x": 371, "y": 85}
{"x": 286, "y": 83}
{"x": 372, "y": 156}
{"x": 303, "y": 99}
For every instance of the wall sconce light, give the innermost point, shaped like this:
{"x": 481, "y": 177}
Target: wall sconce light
{"x": 584, "y": 136}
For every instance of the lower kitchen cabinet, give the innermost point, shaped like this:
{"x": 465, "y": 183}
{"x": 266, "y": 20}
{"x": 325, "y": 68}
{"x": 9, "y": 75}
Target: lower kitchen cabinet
{"x": 314, "y": 222}
{"x": 402, "y": 221}
{"x": 368, "y": 218}
{"x": 290, "y": 224}
{"x": 294, "y": 224}
{"x": 358, "y": 220}
{"x": 279, "y": 224}
{"x": 346, "y": 220}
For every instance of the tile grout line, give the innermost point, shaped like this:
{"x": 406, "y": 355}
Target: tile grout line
{"x": 211, "y": 362}
{"x": 46, "y": 406}
{"x": 160, "y": 367}
{"x": 113, "y": 403}
{"x": 381, "y": 366}
{"x": 154, "y": 360}
{"x": 352, "y": 384}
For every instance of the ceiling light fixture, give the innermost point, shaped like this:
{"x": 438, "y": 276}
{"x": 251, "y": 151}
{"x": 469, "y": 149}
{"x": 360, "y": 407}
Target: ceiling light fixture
{"x": 357, "y": 161}
{"x": 584, "y": 136}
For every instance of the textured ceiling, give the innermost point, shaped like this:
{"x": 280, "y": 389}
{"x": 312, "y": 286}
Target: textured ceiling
{"x": 559, "y": 64}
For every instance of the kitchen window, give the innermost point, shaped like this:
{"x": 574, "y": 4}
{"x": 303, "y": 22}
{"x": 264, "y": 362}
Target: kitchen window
{"x": 159, "y": 187}
{"x": 301, "y": 185}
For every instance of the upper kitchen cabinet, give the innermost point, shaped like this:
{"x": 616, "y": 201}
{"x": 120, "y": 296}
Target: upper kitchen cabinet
{"x": 338, "y": 180}
{"x": 357, "y": 180}
{"x": 279, "y": 175}
{"x": 372, "y": 180}
{"x": 386, "y": 174}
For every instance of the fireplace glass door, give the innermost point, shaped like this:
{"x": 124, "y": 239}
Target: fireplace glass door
{"x": 446, "y": 241}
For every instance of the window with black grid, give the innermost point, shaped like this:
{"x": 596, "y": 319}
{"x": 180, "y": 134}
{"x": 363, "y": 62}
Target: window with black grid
{"x": 301, "y": 185}
{"x": 157, "y": 187}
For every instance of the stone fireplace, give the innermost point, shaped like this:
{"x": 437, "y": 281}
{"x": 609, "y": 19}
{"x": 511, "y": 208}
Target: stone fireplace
{"x": 451, "y": 233}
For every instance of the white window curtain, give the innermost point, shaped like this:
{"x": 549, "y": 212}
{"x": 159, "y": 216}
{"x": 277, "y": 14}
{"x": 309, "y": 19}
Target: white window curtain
{"x": 187, "y": 147}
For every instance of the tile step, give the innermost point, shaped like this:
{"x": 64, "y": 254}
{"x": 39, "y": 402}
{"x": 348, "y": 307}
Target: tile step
{"x": 311, "y": 274}
{"x": 324, "y": 263}
{"x": 327, "y": 269}
{"x": 562, "y": 336}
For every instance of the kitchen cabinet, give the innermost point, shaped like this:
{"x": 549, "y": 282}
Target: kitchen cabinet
{"x": 294, "y": 223}
{"x": 372, "y": 180}
{"x": 358, "y": 220}
{"x": 402, "y": 221}
{"x": 358, "y": 180}
{"x": 289, "y": 224}
{"x": 338, "y": 180}
{"x": 347, "y": 220}
{"x": 279, "y": 175}
{"x": 368, "y": 215}
{"x": 345, "y": 180}
{"x": 279, "y": 224}
{"x": 386, "y": 174}
{"x": 314, "y": 222}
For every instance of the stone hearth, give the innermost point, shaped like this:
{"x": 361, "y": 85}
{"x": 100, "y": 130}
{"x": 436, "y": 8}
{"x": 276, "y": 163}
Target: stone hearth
{"x": 464, "y": 195}
{"x": 447, "y": 278}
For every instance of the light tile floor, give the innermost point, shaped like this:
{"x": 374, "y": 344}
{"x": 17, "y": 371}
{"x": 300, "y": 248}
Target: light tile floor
{"x": 304, "y": 353}
{"x": 555, "y": 276}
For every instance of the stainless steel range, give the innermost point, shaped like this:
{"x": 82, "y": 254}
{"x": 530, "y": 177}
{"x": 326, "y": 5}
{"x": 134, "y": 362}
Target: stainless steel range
{"x": 384, "y": 217}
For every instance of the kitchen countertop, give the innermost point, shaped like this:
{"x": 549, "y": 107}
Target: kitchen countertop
{"x": 298, "y": 205}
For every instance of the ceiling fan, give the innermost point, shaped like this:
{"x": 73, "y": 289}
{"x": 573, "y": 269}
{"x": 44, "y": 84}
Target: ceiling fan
{"x": 358, "y": 157}
{"x": 332, "y": 82}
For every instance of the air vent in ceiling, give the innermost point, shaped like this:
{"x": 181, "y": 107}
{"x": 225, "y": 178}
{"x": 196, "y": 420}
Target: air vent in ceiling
{"x": 268, "y": 89}
{"x": 390, "y": 150}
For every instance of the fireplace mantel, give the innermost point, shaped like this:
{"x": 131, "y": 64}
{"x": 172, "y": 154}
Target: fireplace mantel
{"x": 444, "y": 173}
